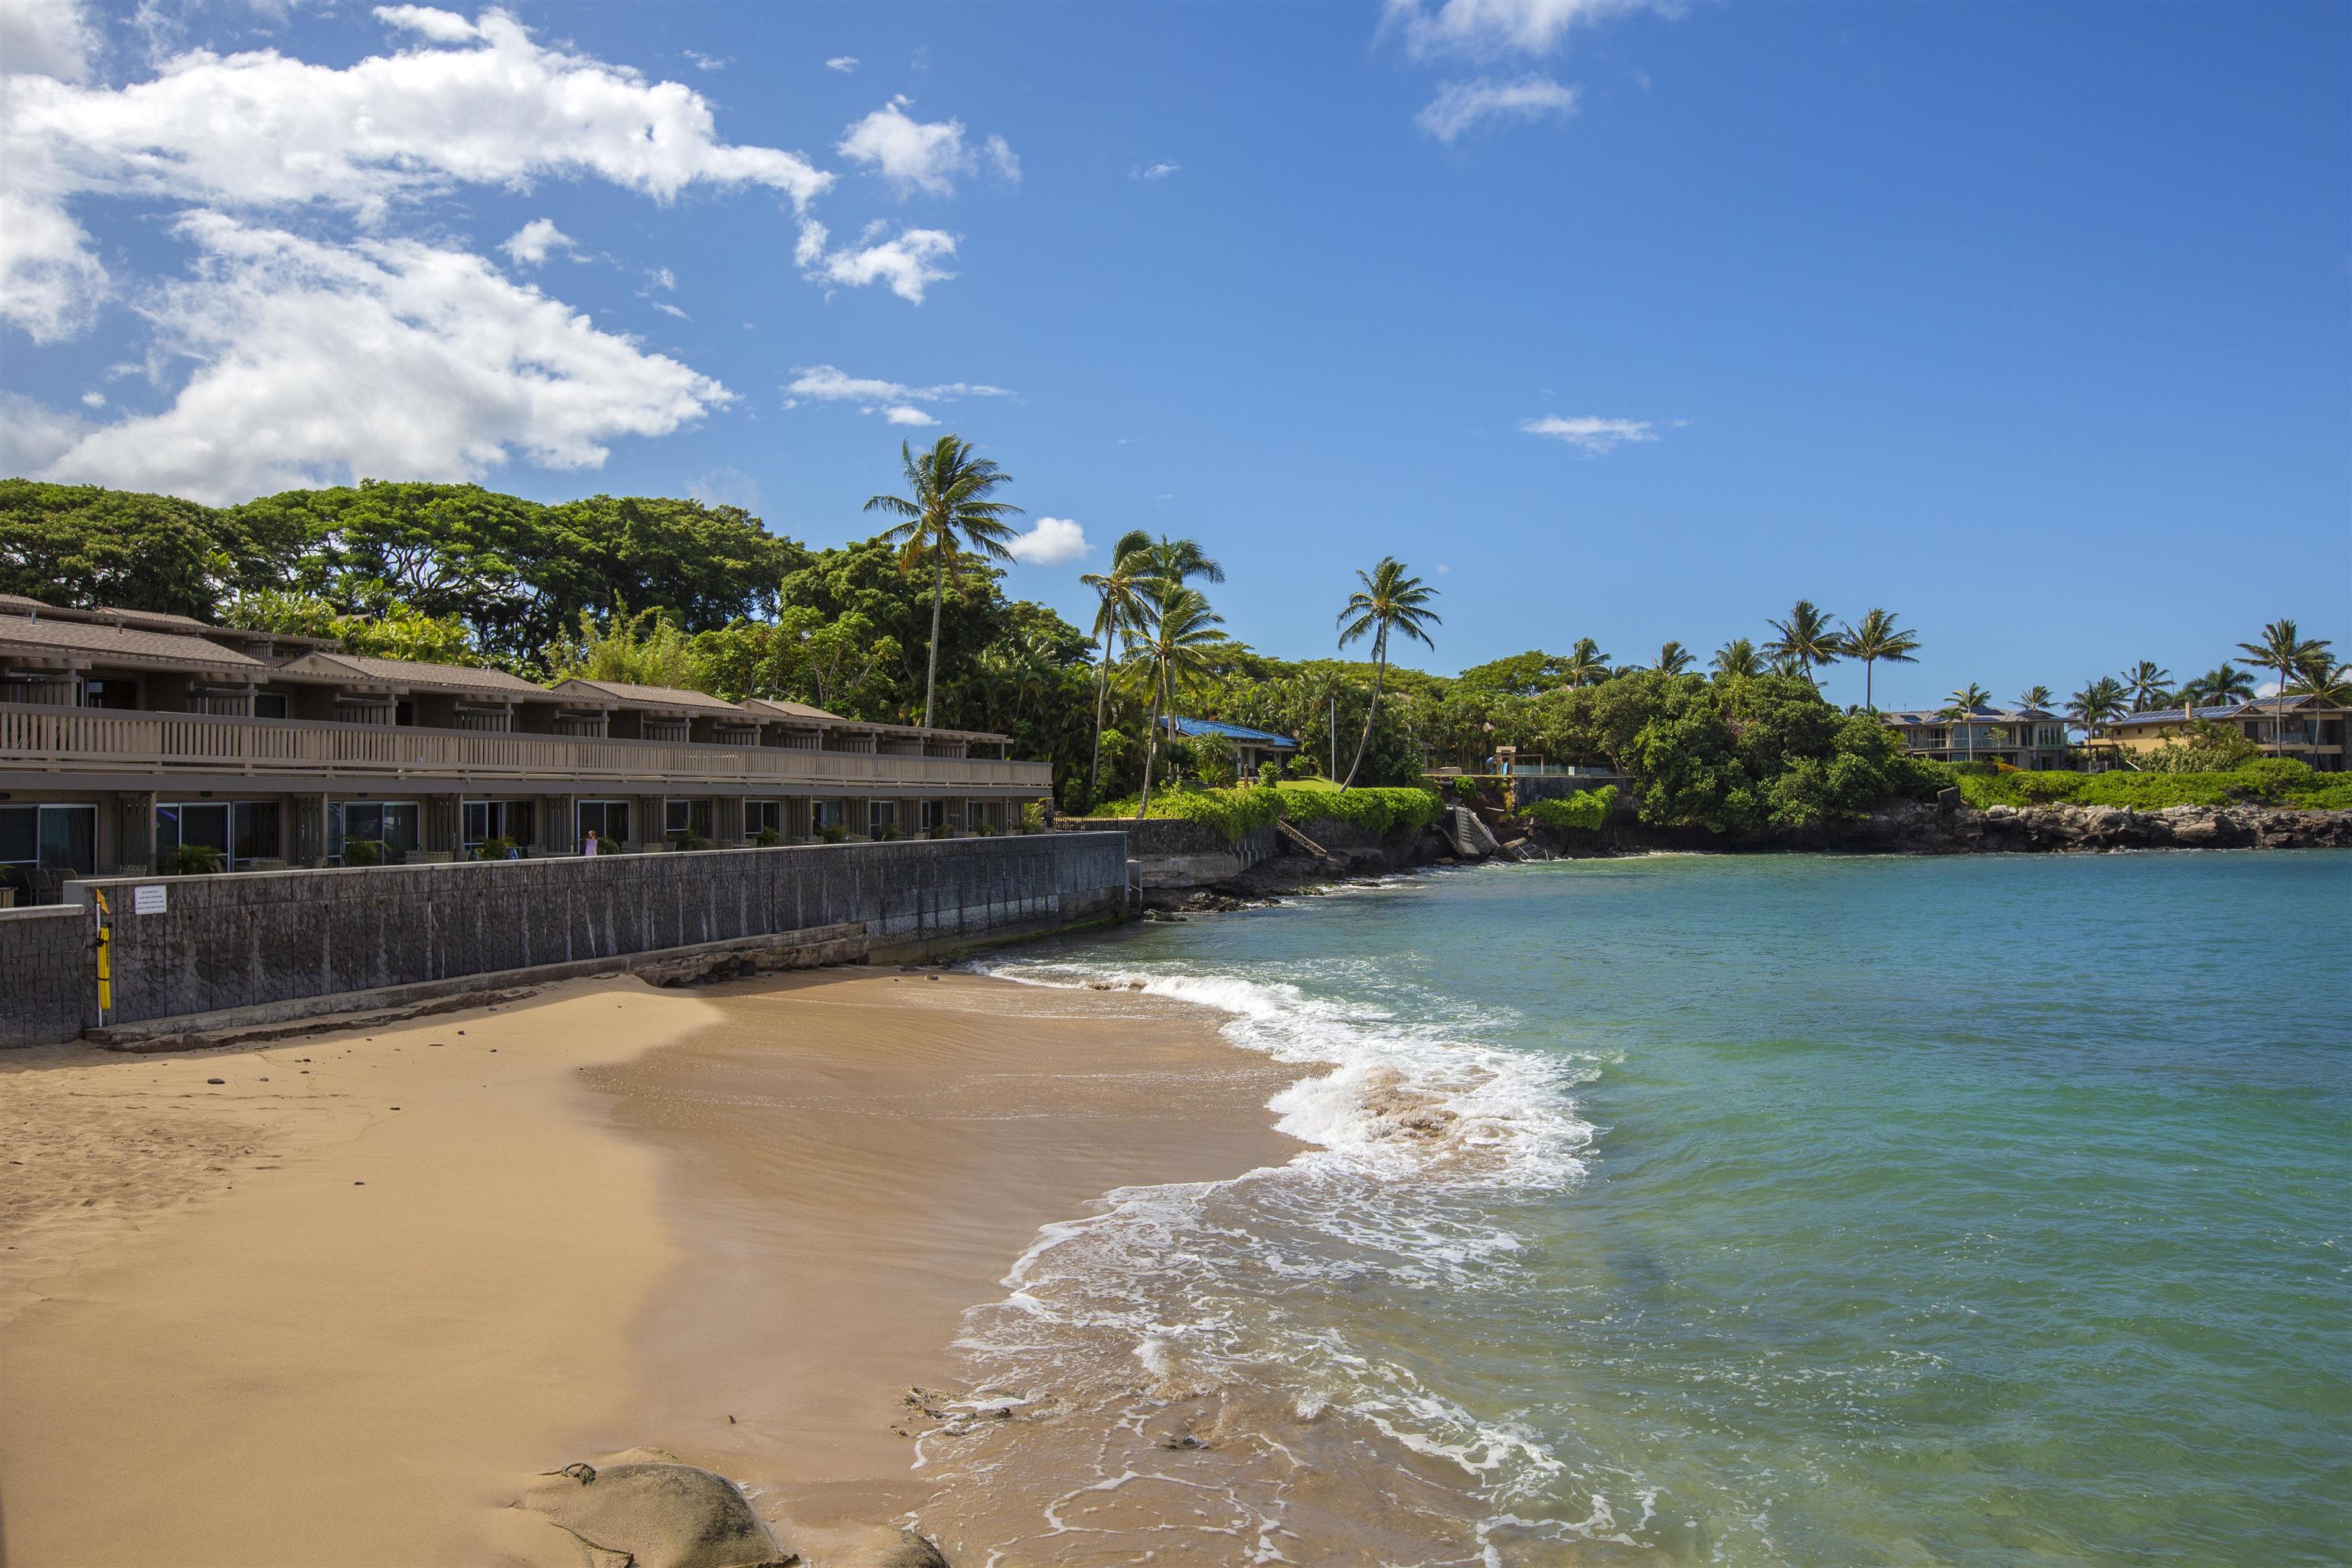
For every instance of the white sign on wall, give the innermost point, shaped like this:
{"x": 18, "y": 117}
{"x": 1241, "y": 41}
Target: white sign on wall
{"x": 147, "y": 899}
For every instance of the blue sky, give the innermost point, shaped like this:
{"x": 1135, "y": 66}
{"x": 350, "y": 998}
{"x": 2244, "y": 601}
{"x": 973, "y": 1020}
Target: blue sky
{"x": 2033, "y": 323}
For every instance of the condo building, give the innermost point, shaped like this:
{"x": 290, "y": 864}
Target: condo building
{"x": 124, "y": 734}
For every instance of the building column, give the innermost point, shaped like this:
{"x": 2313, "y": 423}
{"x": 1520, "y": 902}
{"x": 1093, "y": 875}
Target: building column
{"x": 135, "y": 832}
{"x": 558, "y": 824}
{"x": 645, "y": 820}
{"x": 309, "y": 829}
{"x": 726, "y": 820}
{"x": 444, "y": 825}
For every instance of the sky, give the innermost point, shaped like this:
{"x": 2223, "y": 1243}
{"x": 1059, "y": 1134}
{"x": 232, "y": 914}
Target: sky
{"x": 2031, "y": 323}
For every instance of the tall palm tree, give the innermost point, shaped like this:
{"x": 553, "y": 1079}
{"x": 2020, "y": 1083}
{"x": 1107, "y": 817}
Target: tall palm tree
{"x": 1806, "y": 639}
{"x": 1585, "y": 665}
{"x": 1118, "y": 613}
{"x": 2285, "y": 650}
{"x": 2150, "y": 685}
{"x": 2036, "y": 696}
{"x": 948, "y": 516}
{"x": 1674, "y": 658}
{"x": 2100, "y": 702}
{"x": 1389, "y": 601}
{"x": 1875, "y": 638}
{"x": 2329, "y": 683}
{"x": 1179, "y": 561}
{"x": 1737, "y": 657}
{"x": 1964, "y": 704}
{"x": 1178, "y": 641}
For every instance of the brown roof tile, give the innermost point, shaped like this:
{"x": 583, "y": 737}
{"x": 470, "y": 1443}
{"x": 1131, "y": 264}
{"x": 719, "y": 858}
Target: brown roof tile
{"x": 125, "y": 643}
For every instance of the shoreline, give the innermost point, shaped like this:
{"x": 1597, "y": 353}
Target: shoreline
{"x": 295, "y": 1323}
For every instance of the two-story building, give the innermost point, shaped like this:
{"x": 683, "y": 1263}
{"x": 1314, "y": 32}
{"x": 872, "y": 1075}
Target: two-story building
{"x": 2028, "y": 738}
{"x": 2302, "y": 726}
{"x": 124, "y": 734}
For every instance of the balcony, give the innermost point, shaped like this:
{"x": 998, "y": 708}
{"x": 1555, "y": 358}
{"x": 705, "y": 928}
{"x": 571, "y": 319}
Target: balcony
{"x": 35, "y": 739}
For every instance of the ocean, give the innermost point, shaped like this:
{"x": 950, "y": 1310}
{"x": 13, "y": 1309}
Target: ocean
{"x": 1761, "y": 1210}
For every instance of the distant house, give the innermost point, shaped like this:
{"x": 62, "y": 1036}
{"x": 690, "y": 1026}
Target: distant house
{"x": 2028, "y": 738}
{"x": 2307, "y": 728}
{"x": 1251, "y": 747}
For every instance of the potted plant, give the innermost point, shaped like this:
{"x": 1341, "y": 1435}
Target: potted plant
{"x": 191, "y": 860}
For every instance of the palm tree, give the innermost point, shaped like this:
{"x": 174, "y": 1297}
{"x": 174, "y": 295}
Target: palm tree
{"x": 1674, "y": 658}
{"x": 1118, "y": 613}
{"x": 2150, "y": 684}
{"x": 1737, "y": 657}
{"x": 2100, "y": 701}
{"x": 1879, "y": 637}
{"x": 1806, "y": 640}
{"x": 947, "y": 515}
{"x": 1964, "y": 705}
{"x": 1178, "y": 561}
{"x": 1181, "y": 630}
{"x": 1585, "y": 665}
{"x": 2219, "y": 687}
{"x": 2036, "y": 696}
{"x": 2284, "y": 648}
{"x": 2325, "y": 681}
{"x": 1388, "y": 601}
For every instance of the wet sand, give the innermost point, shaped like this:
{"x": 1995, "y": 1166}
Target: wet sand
{"x": 335, "y": 1307}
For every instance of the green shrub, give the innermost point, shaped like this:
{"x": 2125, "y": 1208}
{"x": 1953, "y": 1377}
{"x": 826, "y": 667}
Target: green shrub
{"x": 836, "y": 833}
{"x": 688, "y": 839}
{"x": 2266, "y": 781}
{"x": 1033, "y": 817}
{"x": 191, "y": 860}
{"x": 493, "y": 849}
{"x": 1376, "y": 811}
{"x": 365, "y": 851}
{"x": 1585, "y": 811}
{"x": 767, "y": 839}
{"x": 1269, "y": 773}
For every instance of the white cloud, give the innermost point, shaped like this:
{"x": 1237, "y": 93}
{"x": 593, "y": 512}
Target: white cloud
{"x": 530, "y": 244}
{"x": 915, "y": 155}
{"x": 725, "y": 487}
{"x": 1492, "y": 29}
{"x": 1054, "y": 541}
{"x": 93, "y": 400}
{"x": 47, "y": 38}
{"x": 51, "y": 281}
{"x": 708, "y": 62}
{"x": 667, "y": 309}
{"x": 1156, "y": 171}
{"x": 894, "y": 400}
{"x": 390, "y": 358}
{"x": 1459, "y": 105}
{"x": 1591, "y": 434}
{"x": 33, "y": 435}
{"x": 440, "y": 27}
{"x": 909, "y": 264}
{"x": 842, "y": 63}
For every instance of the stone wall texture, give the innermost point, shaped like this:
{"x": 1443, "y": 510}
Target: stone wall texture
{"x": 277, "y": 936}
{"x": 47, "y": 981}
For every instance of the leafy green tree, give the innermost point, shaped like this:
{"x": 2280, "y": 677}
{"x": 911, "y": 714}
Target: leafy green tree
{"x": 2283, "y": 650}
{"x": 1119, "y": 612}
{"x": 386, "y": 629}
{"x": 643, "y": 649}
{"x": 84, "y": 546}
{"x": 1736, "y": 658}
{"x": 1585, "y": 665}
{"x": 1805, "y": 639}
{"x": 1877, "y": 639}
{"x": 1520, "y": 675}
{"x": 2222, "y": 686}
{"x": 1391, "y": 600}
{"x": 947, "y": 515}
{"x": 2098, "y": 704}
{"x": 1674, "y": 658}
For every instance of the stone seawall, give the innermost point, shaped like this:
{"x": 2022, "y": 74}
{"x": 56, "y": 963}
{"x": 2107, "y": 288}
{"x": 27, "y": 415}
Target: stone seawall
{"x": 46, "y": 974}
{"x": 261, "y": 937}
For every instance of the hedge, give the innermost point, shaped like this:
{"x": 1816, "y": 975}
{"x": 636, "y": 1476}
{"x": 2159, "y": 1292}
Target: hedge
{"x": 1586, "y": 810}
{"x": 1235, "y": 812}
{"x": 2270, "y": 781}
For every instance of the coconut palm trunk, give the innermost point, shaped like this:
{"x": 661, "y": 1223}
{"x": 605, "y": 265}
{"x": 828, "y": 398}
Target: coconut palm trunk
{"x": 1379, "y": 675}
{"x": 932, "y": 676}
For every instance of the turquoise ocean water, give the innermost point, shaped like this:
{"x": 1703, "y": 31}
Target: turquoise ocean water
{"x": 1785, "y": 1210}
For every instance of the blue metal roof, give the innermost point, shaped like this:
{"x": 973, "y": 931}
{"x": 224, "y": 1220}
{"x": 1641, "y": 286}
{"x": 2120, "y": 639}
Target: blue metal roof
{"x": 1184, "y": 726}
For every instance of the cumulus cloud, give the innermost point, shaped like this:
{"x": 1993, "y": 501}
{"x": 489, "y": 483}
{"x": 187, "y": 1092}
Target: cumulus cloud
{"x": 725, "y": 487}
{"x": 319, "y": 364}
{"x": 33, "y": 435}
{"x": 915, "y": 155}
{"x": 708, "y": 62}
{"x": 1156, "y": 171}
{"x": 530, "y": 244}
{"x": 440, "y": 27}
{"x": 1494, "y": 29}
{"x": 47, "y": 38}
{"x": 909, "y": 264}
{"x": 51, "y": 281}
{"x": 842, "y": 63}
{"x": 1588, "y": 433}
{"x": 895, "y": 400}
{"x": 1460, "y": 105}
{"x": 1054, "y": 541}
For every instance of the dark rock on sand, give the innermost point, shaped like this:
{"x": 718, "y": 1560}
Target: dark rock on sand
{"x": 642, "y": 1513}
{"x": 887, "y": 1549}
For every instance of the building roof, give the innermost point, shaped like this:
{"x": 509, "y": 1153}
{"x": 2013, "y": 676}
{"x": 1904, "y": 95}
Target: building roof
{"x": 411, "y": 675}
{"x": 1184, "y": 726}
{"x": 1974, "y": 716}
{"x": 89, "y": 640}
{"x": 675, "y": 698}
{"x": 786, "y": 709}
{"x": 2260, "y": 707}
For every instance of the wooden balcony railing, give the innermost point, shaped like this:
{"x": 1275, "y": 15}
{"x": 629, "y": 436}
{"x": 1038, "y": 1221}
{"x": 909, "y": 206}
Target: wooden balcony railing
{"x": 106, "y": 740}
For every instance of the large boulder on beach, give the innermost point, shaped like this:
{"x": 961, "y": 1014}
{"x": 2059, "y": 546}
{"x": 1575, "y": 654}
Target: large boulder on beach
{"x": 655, "y": 1513}
{"x": 886, "y": 1548}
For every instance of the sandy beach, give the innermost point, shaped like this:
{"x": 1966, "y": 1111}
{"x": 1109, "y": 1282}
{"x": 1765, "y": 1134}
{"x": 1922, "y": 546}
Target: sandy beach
{"x": 340, "y": 1304}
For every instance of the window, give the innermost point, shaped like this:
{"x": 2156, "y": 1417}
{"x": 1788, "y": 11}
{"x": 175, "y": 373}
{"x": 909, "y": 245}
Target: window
{"x": 935, "y": 814}
{"x": 253, "y": 831}
{"x": 825, "y": 815}
{"x": 269, "y": 705}
{"x": 607, "y": 819}
{"x": 879, "y": 815}
{"x": 54, "y": 837}
{"x": 763, "y": 816}
{"x": 686, "y": 816}
{"x": 393, "y": 823}
{"x": 510, "y": 819}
